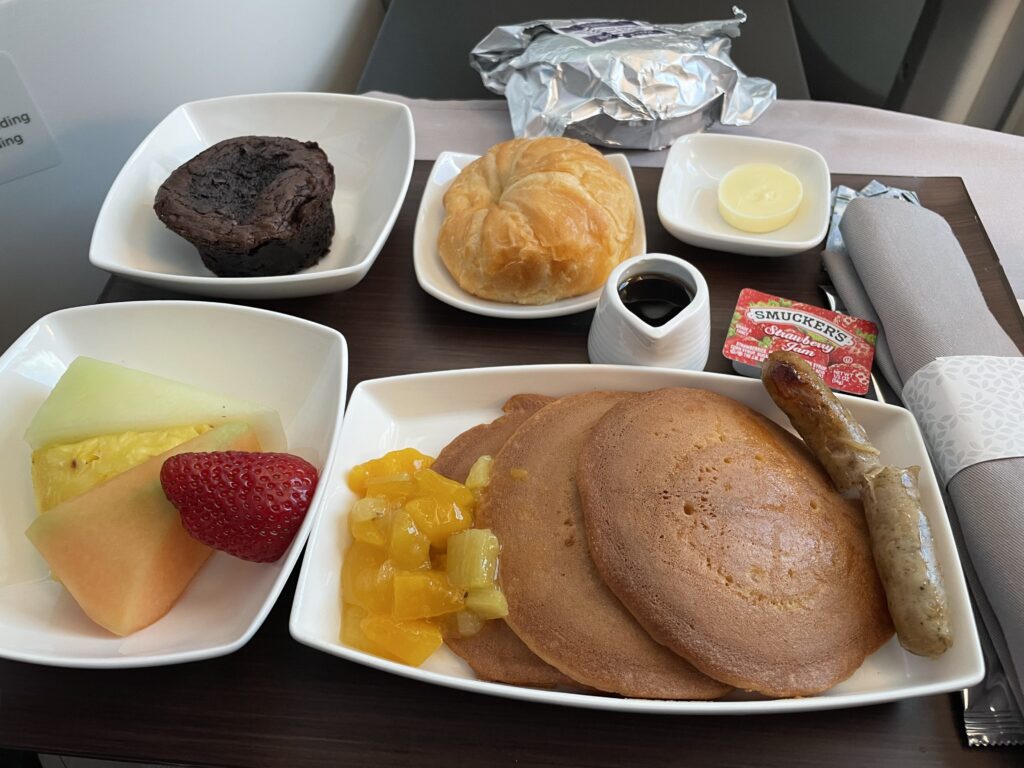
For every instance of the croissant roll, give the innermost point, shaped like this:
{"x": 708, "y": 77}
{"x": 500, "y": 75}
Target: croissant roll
{"x": 536, "y": 220}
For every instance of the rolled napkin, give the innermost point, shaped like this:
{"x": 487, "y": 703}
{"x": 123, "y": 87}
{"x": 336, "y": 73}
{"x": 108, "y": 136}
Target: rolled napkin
{"x": 844, "y": 277}
{"x": 911, "y": 270}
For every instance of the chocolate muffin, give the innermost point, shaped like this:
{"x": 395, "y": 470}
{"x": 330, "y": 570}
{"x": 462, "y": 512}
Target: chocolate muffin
{"x": 253, "y": 206}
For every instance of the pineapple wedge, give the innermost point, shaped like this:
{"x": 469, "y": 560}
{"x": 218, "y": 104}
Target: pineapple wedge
{"x": 64, "y": 471}
{"x": 472, "y": 558}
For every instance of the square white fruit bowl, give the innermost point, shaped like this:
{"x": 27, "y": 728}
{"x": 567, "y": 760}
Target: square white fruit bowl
{"x": 370, "y": 143}
{"x": 688, "y": 194}
{"x": 426, "y": 411}
{"x": 296, "y": 367}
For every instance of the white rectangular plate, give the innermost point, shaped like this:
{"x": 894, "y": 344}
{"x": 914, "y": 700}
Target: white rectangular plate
{"x": 294, "y": 366}
{"x": 426, "y": 411}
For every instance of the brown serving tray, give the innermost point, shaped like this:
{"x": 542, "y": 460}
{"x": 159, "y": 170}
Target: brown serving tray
{"x": 278, "y": 703}
{"x": 393, "y": 327}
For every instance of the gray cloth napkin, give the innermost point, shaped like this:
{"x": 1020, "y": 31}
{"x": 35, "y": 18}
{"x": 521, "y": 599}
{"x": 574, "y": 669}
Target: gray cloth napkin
{"x": 906, "y": 267}
{"x": 855, "y": 298}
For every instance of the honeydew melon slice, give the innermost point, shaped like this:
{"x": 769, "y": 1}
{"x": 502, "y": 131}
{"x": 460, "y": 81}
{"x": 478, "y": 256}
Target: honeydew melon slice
{"x": 120, "y": 549}
{"x": 99, "y": 398}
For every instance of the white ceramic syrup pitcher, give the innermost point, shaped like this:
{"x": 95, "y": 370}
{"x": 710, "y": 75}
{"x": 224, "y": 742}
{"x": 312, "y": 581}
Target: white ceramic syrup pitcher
{"x": 617, "y": 335}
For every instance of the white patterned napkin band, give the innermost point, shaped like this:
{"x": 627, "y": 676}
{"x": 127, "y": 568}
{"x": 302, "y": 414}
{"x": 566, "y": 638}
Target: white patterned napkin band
{"x": 970, "y": 408}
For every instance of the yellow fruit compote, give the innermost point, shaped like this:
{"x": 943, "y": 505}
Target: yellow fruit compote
{"x": 416, "y": 564}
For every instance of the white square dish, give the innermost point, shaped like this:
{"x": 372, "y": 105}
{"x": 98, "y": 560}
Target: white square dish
{"x": 434, "y": 277}
{"x": 370, "y": 143}
{"x": 294, "y": 366}
{"x": 426, "y": 411}
{"x": 688, "y": 193}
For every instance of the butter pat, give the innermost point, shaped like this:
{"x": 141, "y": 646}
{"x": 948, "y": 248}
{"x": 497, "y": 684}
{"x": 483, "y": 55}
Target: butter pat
{"x": 759, "y": 197}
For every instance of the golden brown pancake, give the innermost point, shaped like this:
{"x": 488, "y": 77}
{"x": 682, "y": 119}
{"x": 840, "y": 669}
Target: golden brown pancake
{"x": 729, "y": 544}
{"x": 495, "y": 653}
{"x": 458, "y": 457}
{"x": 558, "y": 604}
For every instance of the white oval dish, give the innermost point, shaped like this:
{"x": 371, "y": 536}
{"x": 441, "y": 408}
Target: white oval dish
{"x": 425, "y": 411}
{"x": 688, "y": 194}
{"x": 370, "y": 143}
{"x": 221, "y": 348}
{"x": 434, "y": 277}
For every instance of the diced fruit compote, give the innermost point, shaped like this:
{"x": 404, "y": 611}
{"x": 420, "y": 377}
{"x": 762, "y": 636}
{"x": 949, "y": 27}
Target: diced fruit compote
{"x": 411, "y": 642}
{"x": 487, "y": 602}
{"x": 366, "y": 578}
{"x": 416, "y": 562}
{"x": 472, "y": 558}
{"x": 403, "y": 462}
{"x": 352, "y": 633}
{"x": 479, "y": 476}
{"x": 463, "y": 624}
{"x": 365, "y": 520}
{"x": 425, "y": 594}
{"x": 438, "y": 518}
{"x": 410, "y": 549}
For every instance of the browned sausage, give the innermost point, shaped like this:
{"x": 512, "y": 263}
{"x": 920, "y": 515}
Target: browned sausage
{"x": 901, "y": 540}
{"x": 829, "y": 429}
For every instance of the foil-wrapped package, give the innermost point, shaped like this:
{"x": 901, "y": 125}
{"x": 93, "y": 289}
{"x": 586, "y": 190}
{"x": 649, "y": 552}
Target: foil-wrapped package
{"x": 618, "y": 82}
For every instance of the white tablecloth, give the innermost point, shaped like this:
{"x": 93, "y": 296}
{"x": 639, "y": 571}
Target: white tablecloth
{"x": 852, "y": 139}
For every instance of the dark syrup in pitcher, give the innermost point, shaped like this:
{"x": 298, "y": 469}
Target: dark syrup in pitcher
{"x": 655, "y": 299}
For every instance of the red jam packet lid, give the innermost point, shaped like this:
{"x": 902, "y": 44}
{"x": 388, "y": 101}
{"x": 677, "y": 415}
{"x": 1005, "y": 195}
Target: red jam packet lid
{"x": 839, "y": 347}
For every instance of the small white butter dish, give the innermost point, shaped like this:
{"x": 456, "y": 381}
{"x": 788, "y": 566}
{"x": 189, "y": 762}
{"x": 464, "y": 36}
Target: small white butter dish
{"x": 688, "y": 194}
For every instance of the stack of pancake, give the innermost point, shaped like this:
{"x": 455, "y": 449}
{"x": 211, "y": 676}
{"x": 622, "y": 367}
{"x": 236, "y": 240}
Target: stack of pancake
{"x": 671, "y": 544}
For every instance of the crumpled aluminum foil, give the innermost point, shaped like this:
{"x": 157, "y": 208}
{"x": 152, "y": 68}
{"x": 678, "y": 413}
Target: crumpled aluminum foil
{"x": 618, "y": 82}
{"x": 841, "y": 197}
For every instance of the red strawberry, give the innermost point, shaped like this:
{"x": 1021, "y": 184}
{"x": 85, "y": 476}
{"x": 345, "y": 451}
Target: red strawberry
{"x": 249, "y": 505}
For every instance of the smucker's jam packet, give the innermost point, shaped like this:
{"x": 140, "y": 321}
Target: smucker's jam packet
{"x": 839, "y": 347}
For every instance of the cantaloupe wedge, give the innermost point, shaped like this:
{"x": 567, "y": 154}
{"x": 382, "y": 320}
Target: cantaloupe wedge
{"x": 98, "y": 398}
{"x": 120, "y": 548}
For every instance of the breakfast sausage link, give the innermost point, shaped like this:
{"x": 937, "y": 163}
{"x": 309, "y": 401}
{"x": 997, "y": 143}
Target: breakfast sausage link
{"x": 901, "y": 541}
{"x": 836, "y": 438}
